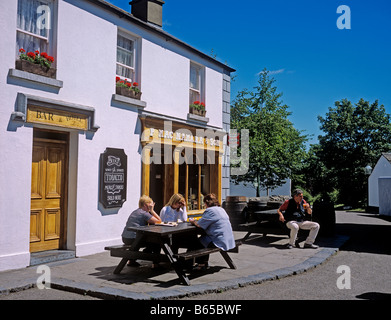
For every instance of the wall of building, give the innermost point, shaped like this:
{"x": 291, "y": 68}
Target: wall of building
{"x": 85, "y": 61}
{"x": 382, "y": 168}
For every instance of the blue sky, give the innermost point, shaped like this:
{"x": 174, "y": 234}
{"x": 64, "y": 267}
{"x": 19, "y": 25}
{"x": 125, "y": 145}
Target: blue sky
{"x": 314, "y": 63}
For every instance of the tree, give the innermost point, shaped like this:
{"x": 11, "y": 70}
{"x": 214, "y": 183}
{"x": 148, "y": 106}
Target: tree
{"x": 355, "y": 136}
{"x": 276, "y": 148}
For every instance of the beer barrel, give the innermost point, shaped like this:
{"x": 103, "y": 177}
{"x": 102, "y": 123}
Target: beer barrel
{"x": 257, "y": 204}
{"x": 235, "y": 207}
{"x": 323, "y": 212}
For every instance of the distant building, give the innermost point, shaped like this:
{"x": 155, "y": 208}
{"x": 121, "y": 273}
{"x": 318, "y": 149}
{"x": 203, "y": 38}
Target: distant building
{"x": 382, "y": 169}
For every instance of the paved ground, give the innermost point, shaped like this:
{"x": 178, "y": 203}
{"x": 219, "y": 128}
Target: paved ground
{"x": 367, "y": 255}
{"x": 259, "y": 260}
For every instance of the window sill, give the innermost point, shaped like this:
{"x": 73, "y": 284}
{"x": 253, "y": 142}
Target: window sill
{"x": 139, "y": 104}
{"x": 35, "y": 78}
{"x": 196, "y": 118}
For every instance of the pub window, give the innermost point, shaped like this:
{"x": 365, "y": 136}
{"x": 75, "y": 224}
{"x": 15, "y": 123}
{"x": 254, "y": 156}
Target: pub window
{"x": 126, "y": 57}
{"x": 196, "y": 178}
{"x": 196, "y": 83}
{"x": 194, "y": 181}
{"x": 35, "y": 25}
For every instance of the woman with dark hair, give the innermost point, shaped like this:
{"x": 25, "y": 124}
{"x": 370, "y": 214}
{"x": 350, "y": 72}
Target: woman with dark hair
{"x": 217, "y": 227}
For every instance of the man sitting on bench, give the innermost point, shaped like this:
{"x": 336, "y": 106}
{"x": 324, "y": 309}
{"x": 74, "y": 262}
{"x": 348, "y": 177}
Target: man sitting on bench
{"x": 294, "y": 214}
{"x": 217, "y": 227}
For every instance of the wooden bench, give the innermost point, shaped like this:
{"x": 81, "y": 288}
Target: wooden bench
{"x": 124, "y": 252}
{"x": 206, "y": 251}
{"x": 269, "y": 227}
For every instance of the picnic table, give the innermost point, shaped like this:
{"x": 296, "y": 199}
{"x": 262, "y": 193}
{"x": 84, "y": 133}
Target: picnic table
{"x": 164, "y": 236}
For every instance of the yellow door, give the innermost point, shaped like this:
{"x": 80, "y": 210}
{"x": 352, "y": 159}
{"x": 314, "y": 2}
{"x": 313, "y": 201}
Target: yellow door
{"x": 47, "y": 195}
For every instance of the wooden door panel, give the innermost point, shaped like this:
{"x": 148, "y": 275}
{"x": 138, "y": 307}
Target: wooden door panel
{"x": 52, "y": 224}
{"x": 35, "y": 225}
{"x": 54, "y": 172}
{"x": 37, "y": 172}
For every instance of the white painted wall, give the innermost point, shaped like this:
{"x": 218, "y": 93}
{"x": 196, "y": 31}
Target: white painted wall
{"x": 384, "y": 196}
{"x": 382, "y": 168}
{"x": 15, "y": 157}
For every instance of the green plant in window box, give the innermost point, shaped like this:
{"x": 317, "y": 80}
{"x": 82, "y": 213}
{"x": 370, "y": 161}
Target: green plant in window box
{"x": 126, "y": 88}
{"x": 36, "y": 62}
{"x": 198, "y": 108}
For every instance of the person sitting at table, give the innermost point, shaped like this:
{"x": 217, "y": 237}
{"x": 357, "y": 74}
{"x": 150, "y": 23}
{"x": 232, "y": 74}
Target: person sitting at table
{"x": 218, "y": 230}
{"x": 142, "y": 216}
{"x": 174, "y": 210}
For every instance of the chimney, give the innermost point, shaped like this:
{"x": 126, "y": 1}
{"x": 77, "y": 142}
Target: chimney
{"x": 148, "y": 10}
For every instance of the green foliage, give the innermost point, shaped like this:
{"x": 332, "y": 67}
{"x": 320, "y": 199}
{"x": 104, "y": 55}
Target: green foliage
{"x": 276, "y": 148}
{"x": 355, "y": 136}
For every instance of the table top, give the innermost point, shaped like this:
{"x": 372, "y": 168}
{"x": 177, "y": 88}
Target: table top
{"x": 164, "y": 230}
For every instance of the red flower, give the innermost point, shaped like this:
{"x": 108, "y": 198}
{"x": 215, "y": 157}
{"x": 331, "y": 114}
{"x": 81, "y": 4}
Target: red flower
{"x": 44, "y": 54}
{"x": 196, "y": 102}
{"x": 31, "y": 55}
{"x": 50, "y": 59}
{"x": 128, "y": 84}
{"x": 135, "y": 84}
{"x": 21, "y": 50}
{"x": 117, "y": 79}
{"x": 36, "y": 52}
{"x": 202, "y": 104}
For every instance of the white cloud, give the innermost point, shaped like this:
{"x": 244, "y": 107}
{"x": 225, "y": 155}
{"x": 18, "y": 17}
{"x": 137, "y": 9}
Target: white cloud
{"x": 279, "y": 71}
{"x": 273, "y": 72}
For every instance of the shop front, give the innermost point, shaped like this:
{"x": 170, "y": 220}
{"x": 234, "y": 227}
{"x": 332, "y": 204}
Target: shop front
{"x": 180, "y": 158}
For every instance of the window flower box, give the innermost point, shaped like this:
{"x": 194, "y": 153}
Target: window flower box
{"x": 127, "y": 89}
{"x": 197, "y": 108}
{"x": 37, "y": 63}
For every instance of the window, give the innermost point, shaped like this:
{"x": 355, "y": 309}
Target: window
{"x": 34, "y": 26}
{"x": 194, "y": 181}
{"x": 126, "y": 57}
{"x": 196, "y": 83}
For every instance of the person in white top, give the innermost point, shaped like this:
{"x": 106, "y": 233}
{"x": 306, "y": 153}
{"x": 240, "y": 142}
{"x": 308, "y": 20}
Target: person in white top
{"x": 174, "y": 210}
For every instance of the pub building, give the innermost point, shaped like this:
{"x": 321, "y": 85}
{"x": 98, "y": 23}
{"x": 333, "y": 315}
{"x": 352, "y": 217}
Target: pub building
{"x": 99, "y": 106}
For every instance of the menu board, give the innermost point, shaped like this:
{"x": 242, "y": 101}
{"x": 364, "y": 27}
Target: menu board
{"x": 113, "y": 173}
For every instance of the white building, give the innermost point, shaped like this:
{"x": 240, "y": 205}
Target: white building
{"x": 381, "y": 171}
{"x": 71, "y": 147}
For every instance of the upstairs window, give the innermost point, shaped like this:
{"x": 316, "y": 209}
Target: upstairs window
{"x": 196, "y": 83}
{"x": 126, "y": 57}
{"x": 34, "y": 26}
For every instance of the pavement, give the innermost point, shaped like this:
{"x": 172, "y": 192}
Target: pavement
{"x": 259, "y": 259}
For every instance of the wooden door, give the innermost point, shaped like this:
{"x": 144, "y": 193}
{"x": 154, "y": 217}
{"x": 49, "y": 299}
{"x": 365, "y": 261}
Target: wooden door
{"x": 48, "y": 185}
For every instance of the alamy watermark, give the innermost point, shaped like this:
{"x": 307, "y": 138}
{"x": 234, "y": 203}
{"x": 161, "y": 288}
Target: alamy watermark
{"x": 44, "y": 280}
{"x": 344, "y": 280}
{"x": 43, "y": 20}
{"x": 166, "y": 146}
{"x": 344, "y": 20}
